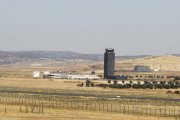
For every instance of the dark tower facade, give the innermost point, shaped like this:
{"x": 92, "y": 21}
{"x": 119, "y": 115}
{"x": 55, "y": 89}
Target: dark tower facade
{"x": 109, "y": 63}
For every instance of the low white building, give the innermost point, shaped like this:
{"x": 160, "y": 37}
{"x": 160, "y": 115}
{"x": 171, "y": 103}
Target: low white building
{"x": 36, "y": 74}
{"x": 142, "y": 68}
{"x": 71, "y": 76}
{"x": 53, "y": 75}
{"x": 83, "y": 77}
{"x": 46, "y": 72}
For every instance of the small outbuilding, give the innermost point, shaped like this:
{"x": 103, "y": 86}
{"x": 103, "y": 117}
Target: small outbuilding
{"x": 142, "y": 68}
{"x": 36, "y": 74}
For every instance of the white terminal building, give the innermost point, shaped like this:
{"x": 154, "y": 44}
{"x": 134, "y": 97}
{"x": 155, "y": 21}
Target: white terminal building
{"x": 83, "y": 77}
{"x": 49, "y": 75}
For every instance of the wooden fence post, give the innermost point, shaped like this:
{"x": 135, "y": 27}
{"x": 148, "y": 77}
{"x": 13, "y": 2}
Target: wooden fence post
{"x": 160, "y": 111}
{"x": 5, "y": 110}
{"x": 39, "y": 106}
{"x": 26, "y": 109}
{"x": 12, "y": 101}
{"x": 133, "y": 109}
{"x": 103, "y": 106}
{"x": 42, "y": 107}
{"x": 82, "y": 105}
{"x": 169, "y": 112}
{"x": 107, "y": 107}
{"x": 124, "y": 108}
{"x": 49, "y": 103}
{"x": 165, "y": 112}
{"x": 86, "y": 105}
{"x": 111, "y": 107}
{"x": 138, "y": 110}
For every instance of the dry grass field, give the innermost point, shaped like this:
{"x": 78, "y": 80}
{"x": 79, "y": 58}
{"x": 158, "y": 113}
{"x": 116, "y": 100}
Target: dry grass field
{"x": 12, "y": 113}
{"x": 71, "y": 85}
{"x": 20, "y": 79}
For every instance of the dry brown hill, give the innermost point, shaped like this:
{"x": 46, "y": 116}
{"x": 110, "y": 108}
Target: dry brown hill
{"x": 162, "y": 63}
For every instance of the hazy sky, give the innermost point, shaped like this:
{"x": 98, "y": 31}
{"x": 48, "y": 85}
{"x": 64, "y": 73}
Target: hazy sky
{"x": 131, "y": 27}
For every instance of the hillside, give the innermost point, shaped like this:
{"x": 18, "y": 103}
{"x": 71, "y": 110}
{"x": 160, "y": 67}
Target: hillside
{"x": 15, "y": 57}
{"x": 58, "y": 55}
{"x": 31, "y": 57}
{"x": 53, "y": 58}
{"x": 162, "y": 63}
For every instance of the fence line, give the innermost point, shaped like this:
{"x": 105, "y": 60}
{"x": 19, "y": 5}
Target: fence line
{"x": 32, "y": 105}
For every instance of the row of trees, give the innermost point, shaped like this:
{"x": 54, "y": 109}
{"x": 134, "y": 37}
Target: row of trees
{"x": 138, "y": 85}
{"x": 144, "y": 85}
{"x": 173, "y": 92}
{"x": 87, "y": 84}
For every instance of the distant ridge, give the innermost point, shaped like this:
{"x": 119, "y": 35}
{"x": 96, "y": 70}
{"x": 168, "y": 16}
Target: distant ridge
{"x": 56, "y": 55}
{"x": 12, "y": 57}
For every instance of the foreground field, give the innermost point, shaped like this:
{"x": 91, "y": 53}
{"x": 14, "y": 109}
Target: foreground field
{"x": 12, "y": 113}
{"x": 62, "y": 99}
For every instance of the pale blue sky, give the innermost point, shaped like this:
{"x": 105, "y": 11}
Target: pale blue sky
{"x": 131, "y": 27}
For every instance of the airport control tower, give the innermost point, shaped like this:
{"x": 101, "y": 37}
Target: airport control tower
{"x": 109, "y": 63}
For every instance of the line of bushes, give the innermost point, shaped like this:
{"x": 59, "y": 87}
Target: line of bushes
{"x": 145, "y": 85}
{"x": 175, "y": 92}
